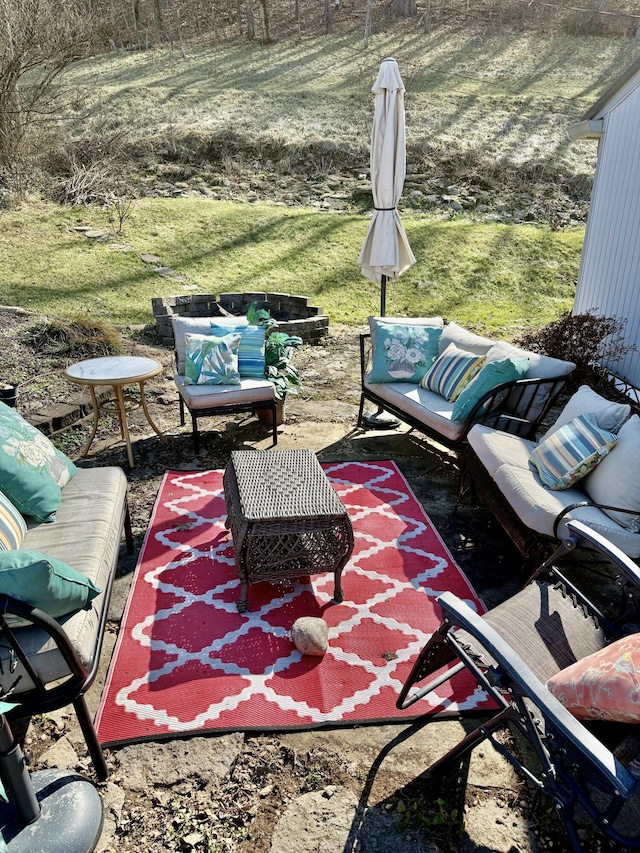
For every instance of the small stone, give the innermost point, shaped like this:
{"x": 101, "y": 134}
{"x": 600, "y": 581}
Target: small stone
{"x": 310, "y": 635}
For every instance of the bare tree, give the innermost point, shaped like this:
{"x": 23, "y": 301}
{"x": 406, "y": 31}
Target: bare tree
{"x": 38, "y": 40}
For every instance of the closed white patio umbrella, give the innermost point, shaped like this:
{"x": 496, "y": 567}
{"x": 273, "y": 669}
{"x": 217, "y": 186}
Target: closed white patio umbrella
{"x": 386, "y": 253}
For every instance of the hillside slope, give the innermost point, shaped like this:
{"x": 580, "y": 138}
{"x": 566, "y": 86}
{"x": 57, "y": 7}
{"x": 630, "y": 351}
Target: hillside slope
{"x": 486, "y": 118}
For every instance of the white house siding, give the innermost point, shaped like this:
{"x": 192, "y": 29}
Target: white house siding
{"x": 609, "y": 277}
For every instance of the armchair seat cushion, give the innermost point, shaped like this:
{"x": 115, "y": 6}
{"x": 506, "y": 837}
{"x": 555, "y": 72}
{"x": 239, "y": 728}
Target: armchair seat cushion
{"x": 211, "y": 396}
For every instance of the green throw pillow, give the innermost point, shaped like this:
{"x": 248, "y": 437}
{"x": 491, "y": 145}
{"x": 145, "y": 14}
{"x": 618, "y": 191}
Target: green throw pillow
{"x": 493, "y": 374}
{"x": 212, "y": 360}
{"x": 43, "y": 582}
{"x": 251, "y": 362}
{"x": 32, "y": 470}
{"x": 402, "y": 353}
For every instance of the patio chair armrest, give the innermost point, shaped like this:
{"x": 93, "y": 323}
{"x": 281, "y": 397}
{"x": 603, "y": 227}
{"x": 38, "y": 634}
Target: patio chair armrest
{"x": 459, "y": 614}
{"x": 509, "y": 406}
{"x": 586, "y": 537}
{"x": 365, "y": 353}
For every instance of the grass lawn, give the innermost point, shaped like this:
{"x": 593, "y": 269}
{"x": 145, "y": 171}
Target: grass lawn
{"x": 491, "y": 277}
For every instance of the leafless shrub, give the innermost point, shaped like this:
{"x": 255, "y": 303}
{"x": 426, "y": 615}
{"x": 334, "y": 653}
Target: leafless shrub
{"x": 120, "y": 207}
{"x": 589, "y": 340}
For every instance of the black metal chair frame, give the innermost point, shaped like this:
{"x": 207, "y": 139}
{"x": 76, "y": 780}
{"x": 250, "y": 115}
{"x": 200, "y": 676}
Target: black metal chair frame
{"x": 231, "y": 408}
{"x": 43, "y": 698}
{"x": 572, "y": 759}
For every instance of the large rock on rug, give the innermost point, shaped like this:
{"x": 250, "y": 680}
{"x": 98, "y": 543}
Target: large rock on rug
{"x": 310, "y": 635}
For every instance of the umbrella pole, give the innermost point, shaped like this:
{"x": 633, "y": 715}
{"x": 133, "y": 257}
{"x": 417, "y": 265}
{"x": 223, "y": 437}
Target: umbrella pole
{"x": 379, "y": 420}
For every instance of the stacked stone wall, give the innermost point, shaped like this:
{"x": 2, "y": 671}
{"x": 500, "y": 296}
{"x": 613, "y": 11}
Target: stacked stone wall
{"x": 295, "y": 314}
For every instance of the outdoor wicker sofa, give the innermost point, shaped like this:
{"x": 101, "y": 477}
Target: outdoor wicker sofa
{"x": 517, "y": 406}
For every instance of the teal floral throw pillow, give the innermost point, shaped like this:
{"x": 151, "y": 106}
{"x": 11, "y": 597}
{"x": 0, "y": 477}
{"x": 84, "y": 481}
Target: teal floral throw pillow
{"x": 402, "y": 353}
{"x": 212, "y": 360}
{"x": 32, "y": 470}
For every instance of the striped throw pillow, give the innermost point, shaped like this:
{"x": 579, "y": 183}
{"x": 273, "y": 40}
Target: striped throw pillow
{"x": 571, "y": 452}
{"x": 451, "y": 372}
{"x": 12, "y": 525}
{"x": 251, "y": 363}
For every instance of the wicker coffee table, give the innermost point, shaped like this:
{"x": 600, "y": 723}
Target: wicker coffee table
{"x": 285, "y": 518}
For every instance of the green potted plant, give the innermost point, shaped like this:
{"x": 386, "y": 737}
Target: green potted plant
{"x": 278, "y": 350}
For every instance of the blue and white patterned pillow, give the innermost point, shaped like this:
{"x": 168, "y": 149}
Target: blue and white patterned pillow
{"x": 571, "y": 452}
{"x": 251, "y": 361}
{"x": 452, "y": 372}
{"x": 211, "y": 360}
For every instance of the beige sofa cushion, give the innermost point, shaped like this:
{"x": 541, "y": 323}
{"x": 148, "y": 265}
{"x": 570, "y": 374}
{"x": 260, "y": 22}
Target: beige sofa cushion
{"x": 616, "y": 480}
{"x": 85, "y": 535}
{"x": 208, "y": 396}
{"x": 506, "y": 460}
{"x": 495, "y": 448}
{"x": 538, "y": 508}
{"x": 464, "y": 340}
{"x": 425, "y": 406}
{"x": 609, "y": 415}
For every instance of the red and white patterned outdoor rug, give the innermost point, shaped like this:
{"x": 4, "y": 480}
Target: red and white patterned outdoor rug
{"x": 186, "y": 661}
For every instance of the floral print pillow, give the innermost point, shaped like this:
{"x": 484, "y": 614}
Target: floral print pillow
{"x": 32, "y": 470}
{"x": 604, "y": 685}
{"x": 402, "y": 353}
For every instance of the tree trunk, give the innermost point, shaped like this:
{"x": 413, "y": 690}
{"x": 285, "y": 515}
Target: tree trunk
{"x": 367, "y": 23}
{"x": 157, "y": 16}
{"x": 328, "y": 12}
{"x": 251, "y": 30}
{"x": 239, "y": 15}
{"x": 265, "y": 21}
{"x": 404, "y": 8}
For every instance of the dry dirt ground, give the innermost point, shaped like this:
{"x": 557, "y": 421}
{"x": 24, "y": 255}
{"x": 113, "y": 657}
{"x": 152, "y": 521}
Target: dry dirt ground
{"x": 328, "y": 791}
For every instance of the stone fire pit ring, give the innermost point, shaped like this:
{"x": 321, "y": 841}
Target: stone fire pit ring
{"x": 295, "y": 314}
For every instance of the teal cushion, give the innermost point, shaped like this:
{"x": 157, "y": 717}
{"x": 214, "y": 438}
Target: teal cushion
{"x": 402, "y": 353}
{"x": 452, "y": 371}
{"x": 32, "y": 470}
{"x": 251, "y": 363}
{"x": 493, "y": 374}
{"x": 43, "y": 582}
{"x": 211, "y": 360}
{"x": 13, "y": 528}
{"x": 571, "y": 452}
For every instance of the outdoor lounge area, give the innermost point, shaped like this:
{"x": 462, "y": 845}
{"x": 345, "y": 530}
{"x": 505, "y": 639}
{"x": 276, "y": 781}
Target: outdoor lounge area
{"x": 389, "y": 753}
